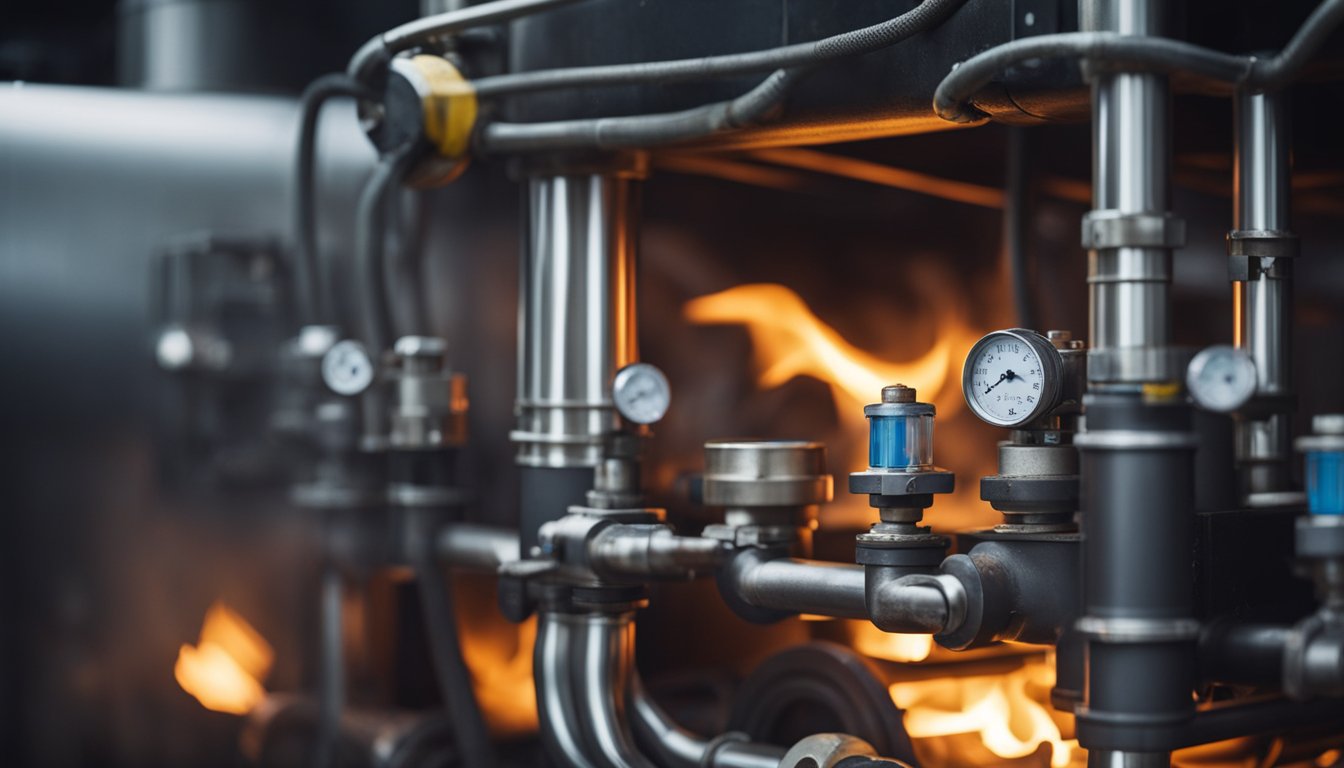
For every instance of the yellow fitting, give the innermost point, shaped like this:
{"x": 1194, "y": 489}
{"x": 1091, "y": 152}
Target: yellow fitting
{"x": 1161, "y": 391}
{"x": 449, "y": 103}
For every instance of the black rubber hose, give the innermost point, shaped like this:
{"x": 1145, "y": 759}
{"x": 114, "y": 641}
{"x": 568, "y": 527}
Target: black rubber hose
{"x": 314, "y": 297}
{"x": 380, "y": 50}
{"x": 1132, "y": 53}
{"x": 454, "y": 679}
{"x": 370, "y": 235}
{"x": 641, "y": 130}
{"x": 855, "y": 43}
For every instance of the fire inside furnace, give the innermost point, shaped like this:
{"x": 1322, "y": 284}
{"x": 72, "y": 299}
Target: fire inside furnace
{"x": 227, "y": 666}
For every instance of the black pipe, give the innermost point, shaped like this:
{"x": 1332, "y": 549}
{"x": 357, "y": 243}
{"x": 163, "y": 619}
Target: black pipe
{"x": 1137, "y": 465}
{"x": 547, "y": 493}
{"x": 1243, "y": 654}
{"x": 1016, "y": 220}
{"x": 450, "y": 669}
{"x": 331, "y": 697}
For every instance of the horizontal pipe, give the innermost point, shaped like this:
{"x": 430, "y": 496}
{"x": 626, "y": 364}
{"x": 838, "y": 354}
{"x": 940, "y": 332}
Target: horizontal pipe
{"x": 1243, "y": 654}
{"x": 481, "y": 547}
{"x": 805, "y": 586}
{"x": 654, "y": 551}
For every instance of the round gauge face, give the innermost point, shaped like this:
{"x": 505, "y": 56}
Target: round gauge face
{"x": 346, "y": 368}
{"x": 1221, "y": 378}
{"x": 641, "y": 393}
{"x": 1011, "y": 378}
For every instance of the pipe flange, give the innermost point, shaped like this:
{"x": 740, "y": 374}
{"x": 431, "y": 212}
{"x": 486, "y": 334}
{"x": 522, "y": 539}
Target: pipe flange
{"x": 1117, "y": 229}
{"x": 1020, "y": 489}
{"x": 881, "y": 482}
{"x": 923, "y": 552}
{"x": 765, "y": 473}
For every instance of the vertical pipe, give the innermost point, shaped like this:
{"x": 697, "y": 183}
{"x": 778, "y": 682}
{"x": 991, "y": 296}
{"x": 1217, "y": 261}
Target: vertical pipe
{"x": 1137, "y": 453}
{"x": 576, "y": 329}
{"x": 1129, "y": 284}
{"x": 332, "y": 666}
{"x": 1262, "y": 288}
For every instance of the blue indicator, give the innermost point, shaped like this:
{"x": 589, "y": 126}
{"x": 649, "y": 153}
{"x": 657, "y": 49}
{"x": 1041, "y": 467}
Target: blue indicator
{"x": 1325, "y": 482}
{"x": 888, "y": 442}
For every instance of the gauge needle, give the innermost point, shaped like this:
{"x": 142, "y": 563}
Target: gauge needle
{"x": 1009, "y": 376}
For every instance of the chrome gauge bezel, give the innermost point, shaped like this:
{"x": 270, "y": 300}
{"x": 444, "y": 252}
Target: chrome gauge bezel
{"x": 1052, "y": 375}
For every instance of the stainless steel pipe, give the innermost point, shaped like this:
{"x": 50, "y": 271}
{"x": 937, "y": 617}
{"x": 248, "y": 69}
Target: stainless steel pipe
{"x": 805, "y": 586}
{"x": 577, "y": 321}
{"x": 1263, "y": 286}
{"x": 1129, "y": 234}
{"x": 556, "y": 710}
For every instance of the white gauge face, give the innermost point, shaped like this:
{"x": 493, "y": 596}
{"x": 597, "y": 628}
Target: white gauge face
{"x": 641, "y": 393}
{"x": 346, "y": 368}
{"x": 1006, "y": 381}
{"x": 1221, "y": 378}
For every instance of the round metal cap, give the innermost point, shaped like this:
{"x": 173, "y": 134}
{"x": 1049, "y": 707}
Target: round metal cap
{"x": 765, "y": 473}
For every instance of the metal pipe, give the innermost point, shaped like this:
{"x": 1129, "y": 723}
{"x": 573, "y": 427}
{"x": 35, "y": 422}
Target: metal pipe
{"x": 575, "y": 331}
{"x": 577, "y": 323}
{"x": 556, "y": 706}
{"x": 1243, "y": 654}
{"x": 1263, "y": 286}
{"x": 481, "y": 547}
{"x": 1128, "y": 233}
{"x": 603, "y": 663}
{"x": 332, "y": 684}
{"x": 653, "y": 551}
{"x": 804, "y": 586}
{"x": 672, "y": 746}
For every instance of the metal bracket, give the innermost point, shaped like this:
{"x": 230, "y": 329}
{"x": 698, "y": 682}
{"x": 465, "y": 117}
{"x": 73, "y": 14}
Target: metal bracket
{"x": 1115, "y": 229}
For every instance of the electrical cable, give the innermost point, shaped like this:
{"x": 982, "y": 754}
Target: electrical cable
{"x": 854, "y": 43}
{"x": 638, "y": 131}
{"x": 1137, "y": 53}
{"x": 381, "y": 49}
{"x": 314, "y": 295}
{"x": 455, "y": 685}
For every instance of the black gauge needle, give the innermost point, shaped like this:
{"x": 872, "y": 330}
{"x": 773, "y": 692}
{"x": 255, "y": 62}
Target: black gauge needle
{"x": 1009, "y": 376}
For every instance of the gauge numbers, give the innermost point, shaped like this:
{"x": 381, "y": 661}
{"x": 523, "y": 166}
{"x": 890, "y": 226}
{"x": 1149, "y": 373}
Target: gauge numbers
{"x": 1012, "y": 377}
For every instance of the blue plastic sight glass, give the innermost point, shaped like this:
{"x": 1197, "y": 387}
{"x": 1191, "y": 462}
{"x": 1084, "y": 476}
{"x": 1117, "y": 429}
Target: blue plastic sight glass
{"x": 900, "y": 441}
{"x": 1325, "y": 482}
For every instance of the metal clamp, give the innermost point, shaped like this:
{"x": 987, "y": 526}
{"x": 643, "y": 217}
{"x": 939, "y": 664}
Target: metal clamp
{"x": 1137, "y": 630}
{"x": 1116, "y": 229}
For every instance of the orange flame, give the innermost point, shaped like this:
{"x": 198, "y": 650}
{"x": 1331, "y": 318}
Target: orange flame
{"x": 225, "y": 668}
{"x": 1004, "y": 710}
{"x": 871, "y": 641}
{"x": 788, "y": 340}
{"x": 502, "y": 676}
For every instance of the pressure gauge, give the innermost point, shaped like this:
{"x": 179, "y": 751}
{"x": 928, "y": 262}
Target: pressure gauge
{"x": 1012, "y": 377}
{"x": 1221, "y": 378}
{"x": 346, "y": 368}
{"x": 641, "y": 393}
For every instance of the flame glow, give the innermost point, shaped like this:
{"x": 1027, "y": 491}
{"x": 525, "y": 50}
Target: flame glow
{"x": 788, "y": 340}
{"x": 1003, "y": 710}
{"x": 501, "y": 670}
{"x": 226, "y": 667}
{"x": 871, "y": 641}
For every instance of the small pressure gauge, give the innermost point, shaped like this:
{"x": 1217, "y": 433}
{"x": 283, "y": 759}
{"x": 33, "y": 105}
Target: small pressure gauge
{"x": 641, "y": 393}
{"x": 346, "y": 368}
{"x": 1013, "y": 377}
{"x": 1221, "y": 378}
